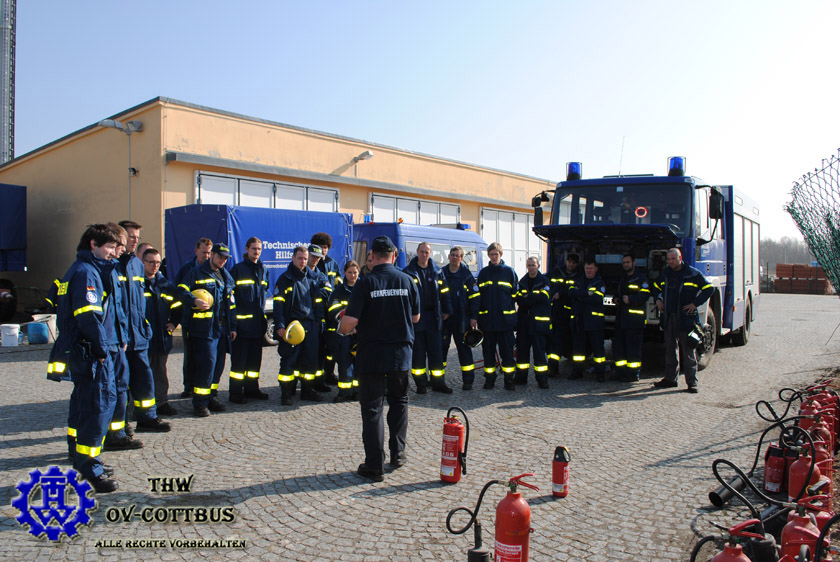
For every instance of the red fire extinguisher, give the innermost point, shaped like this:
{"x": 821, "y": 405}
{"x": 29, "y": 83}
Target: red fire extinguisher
{"x": 798, "y": 474}
{"x": 513, "y": 523}
{"x": 774, "y": 468}
{"x": 801, "y": 531}
{"x": 453, "y": 454}
{"x": 560, "y": 472}
{"x": 733, "y": 552}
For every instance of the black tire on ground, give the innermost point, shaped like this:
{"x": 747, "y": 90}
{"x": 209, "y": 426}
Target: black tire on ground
{"x": 8, "y": 308}
{"x": 742, "y": 336}
{"x": 710, "y": 330}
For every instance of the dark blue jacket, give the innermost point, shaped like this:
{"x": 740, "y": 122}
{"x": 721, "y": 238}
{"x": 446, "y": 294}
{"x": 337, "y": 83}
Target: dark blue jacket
{"x": 588, "y": 304}
{"x": 632, "y": 316}
{"x": 497, "y": 285}
{"x": 87, "y": 315}
{"x": 219, "y": 320}
{"x": 561, "y": 282}
{"x": 321, "y": 294}
{"x": 294, "y": 296}
{"x": 329, "y": 267}
{"x": 161, "y": 297}
{"x": 463, "y": 297}
{"x": 534, "y": 305}
{"x": 690, "y": 287}
{"x": 131, "y": 274}
{"x": 440, "y": 304}
{"x": 251, "y": 281}
{"x": 186, "y": 268}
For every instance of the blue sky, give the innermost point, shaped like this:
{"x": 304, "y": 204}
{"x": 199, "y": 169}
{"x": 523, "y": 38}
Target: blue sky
{"x": 745, "y": 90}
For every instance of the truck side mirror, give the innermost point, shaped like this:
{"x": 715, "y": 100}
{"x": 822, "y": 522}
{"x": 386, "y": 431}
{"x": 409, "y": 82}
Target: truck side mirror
{"x": 538, "y": 216}
{"x": 716, "y": 205}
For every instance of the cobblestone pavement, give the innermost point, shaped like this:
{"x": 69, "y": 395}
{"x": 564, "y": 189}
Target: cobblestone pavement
{"x": 640, "y": 469}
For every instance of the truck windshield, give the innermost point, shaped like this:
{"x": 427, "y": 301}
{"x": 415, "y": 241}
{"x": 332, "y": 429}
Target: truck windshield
{"x": 668, "y": 205}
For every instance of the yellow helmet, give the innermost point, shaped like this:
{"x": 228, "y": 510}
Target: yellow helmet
{"x": 204, "y": 295}
{"x": 294, "y": 333}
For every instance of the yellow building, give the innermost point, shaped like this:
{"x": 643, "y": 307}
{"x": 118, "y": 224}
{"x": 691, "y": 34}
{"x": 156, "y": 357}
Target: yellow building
{"x": 166, "y": 153}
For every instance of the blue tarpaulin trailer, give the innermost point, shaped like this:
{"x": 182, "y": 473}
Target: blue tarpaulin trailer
{"x": 279, "y": 229}
{"x": 13, "y": 231}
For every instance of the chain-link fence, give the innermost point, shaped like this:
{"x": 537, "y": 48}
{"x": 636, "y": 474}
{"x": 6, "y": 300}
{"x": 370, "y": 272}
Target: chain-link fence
{"x": 815, "y": 208}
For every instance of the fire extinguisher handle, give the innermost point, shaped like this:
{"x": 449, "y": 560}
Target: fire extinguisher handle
{"x": 517, "y": 481}
{"x": 738, "y": 530}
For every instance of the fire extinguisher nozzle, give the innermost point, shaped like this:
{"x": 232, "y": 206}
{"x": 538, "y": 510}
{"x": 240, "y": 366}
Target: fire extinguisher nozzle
{"x": 720, "y": 495}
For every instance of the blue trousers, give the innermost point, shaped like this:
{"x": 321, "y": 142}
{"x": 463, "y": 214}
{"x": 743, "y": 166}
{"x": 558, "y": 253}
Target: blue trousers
{"x": 627, "y": 350}
{"x": 141, "y": 383}
{"x": 116, "y": 429}
{"x": 91, "y": 409}
{"x": 245, "y": 362}
{"x": 374, "y": 389}
{"x": 207, "y": 361}
{"x": 427, "y": 344}
{"x": 524, "y": 344}
{"x": 465, "y": 354}
{"x": 504, "y": 341}
{"x": 589, "y": 340}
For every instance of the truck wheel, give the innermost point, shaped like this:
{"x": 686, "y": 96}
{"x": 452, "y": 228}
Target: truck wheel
{"x": 8, "y": 302}
{"x": 742, "y": 336}
{"x": 710, "y": 331}
{"x": 268, "y": 338}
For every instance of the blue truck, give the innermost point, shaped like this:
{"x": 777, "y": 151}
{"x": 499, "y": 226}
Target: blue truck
{"x": 280, "y": 230}
{"x": 12, "y": 244}
{"x": 716, "y": 227}
{"x": 407, "y": 237}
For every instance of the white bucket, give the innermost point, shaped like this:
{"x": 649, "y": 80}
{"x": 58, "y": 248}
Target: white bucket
{"x": 10, "y": 334}
{"x": 49, "y": 320}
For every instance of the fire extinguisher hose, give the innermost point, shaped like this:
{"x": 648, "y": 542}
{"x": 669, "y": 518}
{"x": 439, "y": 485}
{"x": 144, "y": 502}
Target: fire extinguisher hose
{"x": 746, "y": 479}
{"x": 696, "y": 550}
{"x": 473, "y": 513}
{"x": 794, "y": 395}
{"x": 462, "y": 455}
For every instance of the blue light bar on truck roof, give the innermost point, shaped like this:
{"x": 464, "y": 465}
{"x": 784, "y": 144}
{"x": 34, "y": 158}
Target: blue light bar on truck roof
{"x": 573, "y": 170}
{"x": 676, "y": 166}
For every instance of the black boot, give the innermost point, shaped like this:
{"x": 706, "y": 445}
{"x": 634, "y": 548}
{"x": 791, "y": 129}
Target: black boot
{"x": 489, "y": 381}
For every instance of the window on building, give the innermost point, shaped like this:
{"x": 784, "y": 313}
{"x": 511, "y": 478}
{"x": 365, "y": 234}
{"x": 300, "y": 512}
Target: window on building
{"x": 218, "y": 189}
{"x": 386, "y": 208}
{"x": 514, "y": 231}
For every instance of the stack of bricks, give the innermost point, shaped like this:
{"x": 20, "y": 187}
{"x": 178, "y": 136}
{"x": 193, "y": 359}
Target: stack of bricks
{"x": 801, "y": 279}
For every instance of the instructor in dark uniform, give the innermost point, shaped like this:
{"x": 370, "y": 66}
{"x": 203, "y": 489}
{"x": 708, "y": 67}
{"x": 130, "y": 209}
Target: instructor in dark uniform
{"x": 383, "y": 308}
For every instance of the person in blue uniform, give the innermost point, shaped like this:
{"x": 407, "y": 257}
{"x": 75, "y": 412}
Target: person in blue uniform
{"x": 120, "y": 435}
{"x": 321, "y": 299}
{"x": 383, "y": 309}
{"x": 341, "y": 347}
{"x": 683, "y": 291}
{"x": 328, "y": 267}
{"x": 161, "y": 297}
{"x": 295, "y": 295}
{"x": 202, "y": 254}
{"x": 210, "y": 330}
{"x": 563, "y": 277}
{"x": 497, "y": 285}
{"x": 434, "y": 311}
{"x": 87, "y": 346}
{"x": 533, "y": 325}
{"x": 588, "y": 321}
{"x": 251, "y": 284}
{"x": 141, "y": 381}
{"x": 463, "y": 297}
{"x": 630, "y": 320}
